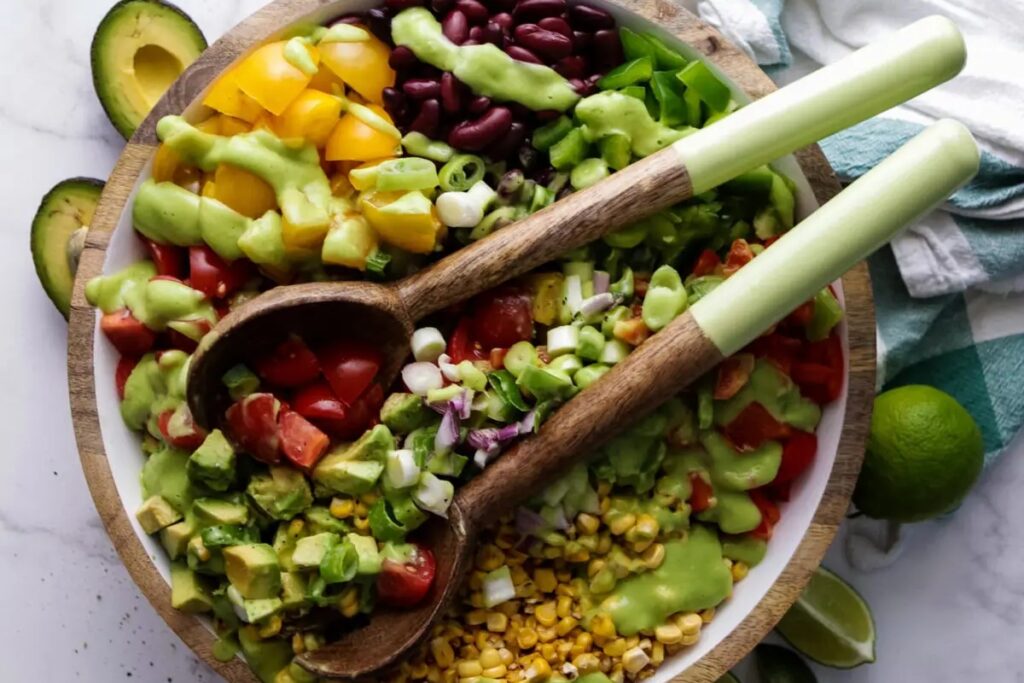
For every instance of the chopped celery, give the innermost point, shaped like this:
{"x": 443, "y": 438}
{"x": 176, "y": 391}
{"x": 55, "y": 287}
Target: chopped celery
{"x": 409, "y": 173}
{"x": 420, "y": 145}
{"x": 550, "y": 133}
{"x": 542, "y": 196}
{"x": 635, "y": 71}
{"x": 616, "y": 150}
{"x": 712, "y": 91}
{"x": 637, "y": 91}
{"x": 518, "y": 356}
{"x": 634, "y": 46}
{"x": 591, "y": 343}
{"x": 699, "y": 287}
{"x": 623, "y": 287}
{"x": 588, "y": 172}
{"x": 611, "y": 317}
{"x": 669, "y": 93}
{"x": 705, "y": 405}
{"x": 665, "y": 298}
{"x": 590, "y": 374}
{"x": 664, "y": 56}
{"x": 462, "y": 172}
{"x": 569, "y": 151}
{"x": 827, "y": 314}
{"x": 568, "y": 363}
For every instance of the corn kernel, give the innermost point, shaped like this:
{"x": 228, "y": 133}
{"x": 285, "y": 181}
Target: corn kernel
{"x": 469, "y": 668}
{"x": 653, "y": 556}
{"x": 349, "y": 611}
{"x": 362, "y": 523}
{"x": 604, "y": 504}
{"x": 646, "y": 528}
{"x": 519, "y": 575}
{"x": 563, "y": 607}
{"x": 594, "y": 566}
{"x": 740, "y": 571}
{"x": 615, "y": 648}
{"x": 619, "y": 524}
{"x": 497, "y": 622}
{"x": 538, "y": 671}
{"x": 490, "y": 557}
{"x": 470, "y": 679}
{"x": 418, "y": 671}
{"x": 489, "y": 658}
{"x": 604, "y": 488}
{"x": 496, "y": 671}
{"x": 575, "y": 552}
{"x": 547, "y": 651}
{"x": 476, "y": 617}
{"x": 482, "y": 640}
{"x": 632, "y": 641}
{"x": 506, "y": 656}
{"x": 602, "y": 626}
{"x": 296, "y": 526}
{"x": 668, "y": 633}
{"x": 546, "y": 614}
{"x": 545, "y": 580}
{"x": 444, "y": 656}
{"x": 586, "y": 663}
{"x": 563, "y": 649}
{"x": 707, "y": 615}
{"x": 546, "y": 633}
{"x": 298, "y": 644}
{"x": 657, "y": 654}
{"x": 690, "y": 639}
{"x": 604, "y": 543}
{"x": 563, "y": 575}
{"x": 342, "y": 508}
{"x": 565, "y": 625}
{"x": 587, "y": 523}
{"x": 584, "y": 641}
{"x": 617, "y": 675}
{"x": 635, "y": 659}
{"x": 449, "y": 676}
{"x": 689, "y": 623}
{"x": 552, "y": 552}
{"x": 369, "y": 498}
{"x": 526, "y": 638}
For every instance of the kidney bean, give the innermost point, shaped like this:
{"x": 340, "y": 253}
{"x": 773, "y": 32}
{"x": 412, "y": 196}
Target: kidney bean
{"x": 455, "y": 27}
{"x": 475, "y": 12}
{"x": 520, "y": 112}
{"x": 556, "y": 24}
{"x": 504, "y": 20}
{"x": 545, "y": 115}
{"x": 441, "y": 7}
{"x": 590, "y": 18}
{"x": 581, "y": 40}
{"x": 476, "y": 33}
{"x": 479, "y": 104}
{"x": 493, "y": 33}
{"x": 425, "y": 71}
{"x": 541, "y": 42}
{"x": 508, "y": 143}
{"x": 421, "y": 88}
{"x": 402, "y": 58}
{"x": 607, "y": 49}
{"x": 500, "y": 5}
{"x": 469, "y": 42}
{"x": 522, "y": 54}
{"x": 578, "y": 85}
{"x": 394, "y": 102}
{"x": 399, "y": 5}
{"x": 574, "y": 66}
{"x": 428, "y": 118}
{"x": 476, "y": 134}
{"x": 451, "y": 93}
{"x": 528, "y": 10}
{"x": 378, "y": 20}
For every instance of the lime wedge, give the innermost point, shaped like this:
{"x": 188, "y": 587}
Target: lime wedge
{"x": 781, "y": 665}
{"x": 728, "y": 678}
{"x": 830, "y": 623}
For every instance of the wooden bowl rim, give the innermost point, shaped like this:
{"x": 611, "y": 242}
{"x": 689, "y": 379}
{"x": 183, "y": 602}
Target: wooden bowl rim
{"x": 257, "y": 28}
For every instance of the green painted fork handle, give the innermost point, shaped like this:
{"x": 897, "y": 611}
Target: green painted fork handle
{"x": 918, "y": 176}
{"x": 867, "y": 82}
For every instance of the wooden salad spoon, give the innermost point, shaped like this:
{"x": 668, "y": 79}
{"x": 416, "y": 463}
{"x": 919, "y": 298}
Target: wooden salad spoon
{"x": 865, "y": 83}
{"x": 919, "y": 175}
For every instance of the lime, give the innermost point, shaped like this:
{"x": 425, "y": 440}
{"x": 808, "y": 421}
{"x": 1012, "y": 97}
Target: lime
{"x": 924, "y": 453}
{"x": 728, "y": 678}
{"x": 830, "y": 623}
{"x": 780, "y": 665}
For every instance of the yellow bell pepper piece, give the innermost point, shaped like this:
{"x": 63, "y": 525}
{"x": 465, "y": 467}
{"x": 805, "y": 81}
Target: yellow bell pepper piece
{"x": 349, "y": 242}
{"x": 353, "y": 140}
{"x": 363, "y": 184}
{"x": 362, "y": 65}
{"x": 326, "y": 81}
{"x": 231, "y": 126}
{"x": 168, "y": 166}
{"x": 311, "y": 116}
{"x": 407, "y": 220}
{"x": 227, "y": 98}
{"x": 210, "y": 189}
{"x": 270, "y": 79}
{"x": 547, "y": 296}
{"x": 244, "y": 192}
{"x": 341, "y": 187}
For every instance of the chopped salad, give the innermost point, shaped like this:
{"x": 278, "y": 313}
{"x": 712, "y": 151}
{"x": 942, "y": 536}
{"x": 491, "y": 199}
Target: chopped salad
{"x": 368, "y": 148}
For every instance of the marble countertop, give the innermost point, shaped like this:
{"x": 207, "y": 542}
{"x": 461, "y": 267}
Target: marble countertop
{"x": 951, "y": 609}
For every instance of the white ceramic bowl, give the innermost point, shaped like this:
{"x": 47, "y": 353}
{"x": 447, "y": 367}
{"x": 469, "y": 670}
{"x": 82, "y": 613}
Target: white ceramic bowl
{"x": 126, "y": 459}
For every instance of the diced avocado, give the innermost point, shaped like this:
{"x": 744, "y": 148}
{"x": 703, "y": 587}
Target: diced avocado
{"x": 366, "y": 551}
{"x": 253, "y": 611}
{"x": 58, "y": 235}
{"x": 188, "y": 593}
{"x": 213, "y": 511}
{"x": 266, "y": 657}
{"x": 285, "y": 538}
{"x": 341, "y": 474}
{"x": 213, "y": 463}
{"x": 403, "y": 413}
{"x": 140, "y": 48}
{"x": 155, "y": 514}
{"x": 310, "y": 551}
{"x": 253, "y": 570}
{"x": 293, "y": 591}
{"x": 320, "y": 519}
{"x": 164, "y": 475}
{"x": 225, "y": 535}
{"x": 282, "y": 493}
{"x": 373, "y": 445}
{"x": 547, "y": 296}
{"x": 546, "y": 384}
{"x": 175, "y": 538}
{"x": 202, "y": 559}
{"x": 143, "y": 387}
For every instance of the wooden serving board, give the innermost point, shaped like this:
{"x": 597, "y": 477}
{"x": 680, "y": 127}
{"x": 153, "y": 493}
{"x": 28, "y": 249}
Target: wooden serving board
{"x": 252, "y": 32}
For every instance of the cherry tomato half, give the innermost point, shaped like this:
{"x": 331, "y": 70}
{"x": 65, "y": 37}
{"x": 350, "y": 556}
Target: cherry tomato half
{"x": 700, "y": 498}
{"x": 502, "y": 317}
{"x": 215, "y": 277}
{"x": 733, "y": 374}
{"x": 753, "y": 426}
{"x": 405, "y": 585}
{"x": 127, "y": 333}
{"x": 125, "y": 365}
{"x": 179, "y": 430}
{"x": 706, "y": 263}
{"x": 797, "y": 454}
{"x": 290, "y": 364}
{"x": 303, "y": 444}
{"x": 168, "y": 259}
{"x": 349, "y": 366}
{"x": 461, "y": 345}
{"x": 252, "y": 423}
{"x": 770, "y": 514}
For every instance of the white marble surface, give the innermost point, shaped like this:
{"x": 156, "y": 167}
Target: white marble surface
{"x": 952, "y": 609}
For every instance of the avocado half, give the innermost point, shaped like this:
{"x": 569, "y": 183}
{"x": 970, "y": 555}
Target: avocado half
{"x": 56, "y": 240}
{"x": 139, "y": 49}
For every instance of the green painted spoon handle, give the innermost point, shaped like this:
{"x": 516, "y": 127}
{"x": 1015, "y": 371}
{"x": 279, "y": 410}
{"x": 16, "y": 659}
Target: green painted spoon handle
{"x": 918, "y": 176}
{"x": 865, "y": 83}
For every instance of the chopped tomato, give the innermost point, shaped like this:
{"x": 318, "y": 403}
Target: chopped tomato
{"x": 706, "y": 263}
{"x": 797, "y": 454}
{"x": 180, "y": 430}
{"x": 168, "y": 259}
{"x": 633, "y": 331}
{"x": 770, "y": 514}
{"x": 316, "y": 401}
{"x": 461, "y": 346}
{"x": 702, "y": 493}
{"x": 753, "y": 426}
{"x": 215, "y": 277}
{"x": 778, "y": 349}
{"x": 405, "y": 585}
{"x": 290, "y": 364}
{"x": 733, "y": 375}
{"x": 125, "y": 365}
{"x": 349, "y": 366}
{"x": 802, "y": 315}
{"x": 127, "y": 333}
{"x": 252, "y": 423}
{"x": 640, "y": 285}
{"x": 502, "y": 317}
{"x": 301, "y": 442}
{"x": 361, "y": 415}
{"x": 740, "y": 254}
{"x": 820, "y": 377}
{"x": 497, "y": 358}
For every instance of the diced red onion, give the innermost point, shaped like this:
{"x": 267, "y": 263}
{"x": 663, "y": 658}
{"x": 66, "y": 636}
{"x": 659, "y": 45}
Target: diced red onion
{"x": 529, "y": 421}
{"x": 602, "y": 280}
{"x": 448, "y": 369}
{"x": 463, "y": 404}
{"x": 597, "y": 304}
{"x": 482, "y": 439}
{"x": 485, "y": 455}
{"x": 447, "y": 432}
{"x": 529, "y": 522}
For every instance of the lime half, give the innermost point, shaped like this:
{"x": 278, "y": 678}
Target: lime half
{"x": 830, "y": 623}
{"x": 781, "y": 665}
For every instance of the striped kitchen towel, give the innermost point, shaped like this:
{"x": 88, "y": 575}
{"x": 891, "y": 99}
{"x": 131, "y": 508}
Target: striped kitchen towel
{"x": 949, "y": 294}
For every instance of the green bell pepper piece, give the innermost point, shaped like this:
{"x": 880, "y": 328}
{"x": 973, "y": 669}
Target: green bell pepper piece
{"x": 713, "y": 92}
{"x": 668, "y": 91}
{"x": 755, "y": 184}
{"x": 635, "y": 71}
{"x": 635, "y": 46}
{"x": 569, "y": 151}
{"x": 637, "y": 91}
{"x": 550, "y": 133}
{"x": 504, "y": 384}
{"x": 694, "y": 111}
{"x": 664, "y": 56}
{"x": 827, "y": 314}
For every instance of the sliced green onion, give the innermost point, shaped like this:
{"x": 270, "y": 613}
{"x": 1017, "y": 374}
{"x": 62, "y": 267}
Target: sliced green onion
{"x": 550, "y": 133}
{"x": 420, "y": 145}
{"x": 340, "y": 563}
{"x": 410, "y": 173}
{"x": 461, "y": 172}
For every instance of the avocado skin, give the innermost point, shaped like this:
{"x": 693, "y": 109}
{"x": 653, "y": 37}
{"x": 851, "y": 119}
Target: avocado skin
{"x": 44, "y": 238}
{"x": 104, "y": 84}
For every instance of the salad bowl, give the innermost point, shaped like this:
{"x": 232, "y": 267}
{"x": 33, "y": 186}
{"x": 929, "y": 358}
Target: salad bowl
{"x": 109, "y": 450}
